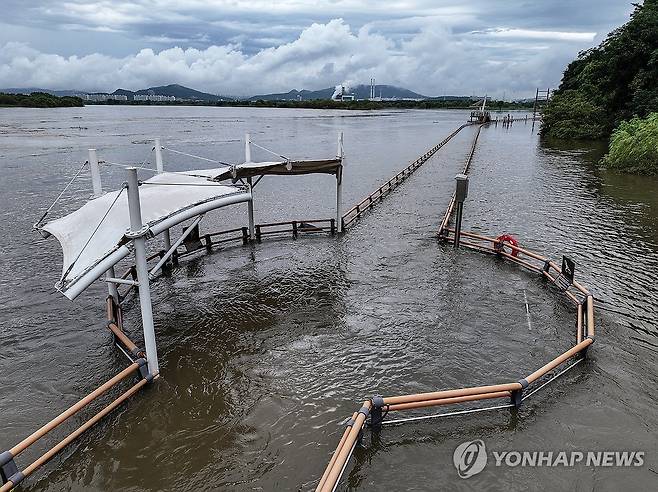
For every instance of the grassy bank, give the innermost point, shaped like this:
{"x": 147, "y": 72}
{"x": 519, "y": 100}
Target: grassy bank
{"x": 634, "y": 146}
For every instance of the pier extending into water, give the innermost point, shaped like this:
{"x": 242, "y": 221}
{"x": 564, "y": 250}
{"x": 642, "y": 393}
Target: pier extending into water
{"x": 378, "y": 411}
{"x": 374, "y": 411}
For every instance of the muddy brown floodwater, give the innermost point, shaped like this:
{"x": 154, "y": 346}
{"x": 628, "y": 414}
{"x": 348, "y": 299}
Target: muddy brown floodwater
{"x": 265, "y": 349}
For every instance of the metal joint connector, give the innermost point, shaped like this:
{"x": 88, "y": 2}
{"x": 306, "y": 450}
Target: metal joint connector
{"x": 8, "y": 468}
{"x": 376, "y": 415}
{"x": 377, "y": 401}
{"x": 516, "y": 396}
{"x": 144, "y": 369}
{"x": 144, "y": 231}
{"x": 17, "y": 478}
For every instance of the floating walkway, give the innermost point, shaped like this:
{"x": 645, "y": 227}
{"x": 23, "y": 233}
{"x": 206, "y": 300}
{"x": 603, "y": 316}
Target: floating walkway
{"x": 120, "y": 222}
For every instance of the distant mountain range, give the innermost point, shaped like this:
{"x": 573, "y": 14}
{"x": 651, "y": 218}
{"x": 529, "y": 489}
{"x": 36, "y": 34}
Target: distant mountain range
{"x": 360, "y": 92}
{"x": 181, "y": 92}
{"x": 178, "y": 91}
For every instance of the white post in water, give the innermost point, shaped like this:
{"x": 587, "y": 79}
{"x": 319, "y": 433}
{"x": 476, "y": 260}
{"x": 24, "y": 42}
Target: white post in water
{"x": 247, "y": 147}
{"x": 111, "y": 286}
{"x": 159, "y": 166}
{"x": 95, "y": 173}
{"x": 98, "y": 191}
{"x": 339, "y": 185}
{"x": 158, "y": 156}
{"x": 250, "y": 203}
{"x": 135, "y": 210}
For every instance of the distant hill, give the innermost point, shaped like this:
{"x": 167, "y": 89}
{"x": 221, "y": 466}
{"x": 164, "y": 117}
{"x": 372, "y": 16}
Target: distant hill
{"x": 30, "y": 90}
{"x": 360, "y": 92}
{"x": 178, "y": 91}
{"x": 456, "y": 98}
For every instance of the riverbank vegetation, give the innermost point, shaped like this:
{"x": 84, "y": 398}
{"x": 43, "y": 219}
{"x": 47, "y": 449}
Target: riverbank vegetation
{"x": 634, "y": 146}
{"x": 39, "y": 100}
{"x": 606, "y": 87}
{"x": 462, "y": 103}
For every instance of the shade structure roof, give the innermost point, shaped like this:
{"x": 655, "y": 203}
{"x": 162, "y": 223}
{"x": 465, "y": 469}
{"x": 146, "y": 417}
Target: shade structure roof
{"x": 277, "y": 168}
{"x": 93, "y": 238}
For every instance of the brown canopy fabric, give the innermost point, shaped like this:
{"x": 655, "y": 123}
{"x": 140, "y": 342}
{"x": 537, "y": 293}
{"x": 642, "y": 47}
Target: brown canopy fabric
{"x": 281, "y": 168}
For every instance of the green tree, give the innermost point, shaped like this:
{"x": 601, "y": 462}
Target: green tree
{"x": 616, "y": 80}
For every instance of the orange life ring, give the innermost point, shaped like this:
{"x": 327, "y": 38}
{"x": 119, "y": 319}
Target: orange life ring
{"x": 509, "y": 239}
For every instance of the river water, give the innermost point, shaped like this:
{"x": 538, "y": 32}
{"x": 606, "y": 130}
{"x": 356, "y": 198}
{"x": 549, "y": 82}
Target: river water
{"x": 265, "y": 349}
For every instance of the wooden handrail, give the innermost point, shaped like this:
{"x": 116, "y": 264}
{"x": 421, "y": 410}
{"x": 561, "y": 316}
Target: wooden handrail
{"x": 448, "y": 401}
{"x": 440, "y": 395}
{"x": 579, "y": 347}
{"x": 123, "y": 338}
{"x": 590, "y": 316}
{"x": 43, "y": 459}
{"x": 344, "y": 451}
{"x": 579, "y": 323}
{"x": 335, "y": 454}
{"x": 35, "y": 436}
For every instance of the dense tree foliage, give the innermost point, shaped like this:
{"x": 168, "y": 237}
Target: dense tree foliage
{"x": 610, "y": 83}
{"x": 39, "y": 100}
{"x": 634, "y": 146}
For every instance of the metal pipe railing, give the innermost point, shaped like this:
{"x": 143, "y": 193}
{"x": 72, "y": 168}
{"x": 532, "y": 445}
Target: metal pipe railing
{"x": 62, "y": 417}
{"x": 447, "y": 401}
{"x": 559, "y": 360}
{"x": 343, "y": 452}
{"x": 584, "y": 320}
{"x": 43, "y": 459}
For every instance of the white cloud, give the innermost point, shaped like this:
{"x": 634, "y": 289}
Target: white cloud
{"x": 538, "y": 34}
{"x": 434, "y": 60}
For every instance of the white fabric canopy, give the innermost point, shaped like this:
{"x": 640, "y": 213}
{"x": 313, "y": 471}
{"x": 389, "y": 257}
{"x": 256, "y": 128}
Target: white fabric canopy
{"x": 94, "y": 233}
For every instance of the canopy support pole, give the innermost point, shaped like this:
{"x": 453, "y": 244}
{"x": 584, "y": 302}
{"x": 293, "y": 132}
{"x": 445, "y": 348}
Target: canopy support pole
{"x": 159, "y": 165}
{"x": 339, "y": 186}
{"x": 250, "y": 209}
{"x": 139, "y": 241}
{"x": 175, "y": 246}
{"x": 250, "y": 203}
{"x": 95, "y": 174}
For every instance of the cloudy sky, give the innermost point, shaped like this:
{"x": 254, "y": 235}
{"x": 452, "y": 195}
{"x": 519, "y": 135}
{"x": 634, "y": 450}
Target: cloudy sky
{"x": 246, "y": 47}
